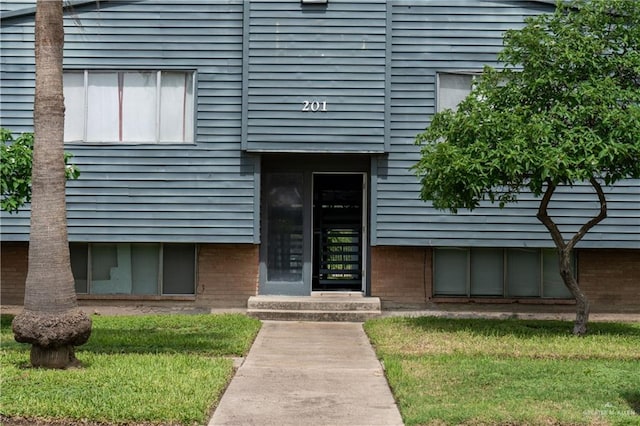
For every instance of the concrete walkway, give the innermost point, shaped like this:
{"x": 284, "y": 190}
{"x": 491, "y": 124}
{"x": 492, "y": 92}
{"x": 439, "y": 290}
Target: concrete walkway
{"x": 309, "y": 373}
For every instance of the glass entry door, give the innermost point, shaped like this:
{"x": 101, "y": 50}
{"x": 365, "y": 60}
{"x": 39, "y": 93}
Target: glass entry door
{"x": 285, "y": 249}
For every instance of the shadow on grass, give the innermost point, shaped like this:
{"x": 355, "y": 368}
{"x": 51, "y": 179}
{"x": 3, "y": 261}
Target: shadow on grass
{"x": 520, "y": 328}
{"x": 633, "y": 399}
{"x": 229, "y": 337}
{"x": 5, "y": 321}
{"x": 107, "y": 341}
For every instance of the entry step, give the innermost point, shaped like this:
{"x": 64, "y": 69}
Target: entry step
{"x": 314, "y": 308}
{"x": 343, "y": 294}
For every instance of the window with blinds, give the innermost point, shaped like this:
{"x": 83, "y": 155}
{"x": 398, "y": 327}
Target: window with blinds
{"x": 129, "y": 106}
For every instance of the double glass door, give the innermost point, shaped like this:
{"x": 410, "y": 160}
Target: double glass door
{"x": 313, "y": 236}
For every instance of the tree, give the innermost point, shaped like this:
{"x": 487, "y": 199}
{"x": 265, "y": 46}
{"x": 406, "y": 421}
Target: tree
{"x": 51, "y": 321}
{"x": 564, "y": 110}
{"x": 16, "y": 157}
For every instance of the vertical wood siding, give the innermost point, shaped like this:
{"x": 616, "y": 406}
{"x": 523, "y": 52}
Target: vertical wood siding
{"x": 201, "y": 192}
{"x": 333, "y": 53}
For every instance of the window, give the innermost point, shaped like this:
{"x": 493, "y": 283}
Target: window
{"x": 133, "y": 269}
{"x": 453, "y": 88}
{"x": 129, "y": 106}
{"x": 496, "y": 272}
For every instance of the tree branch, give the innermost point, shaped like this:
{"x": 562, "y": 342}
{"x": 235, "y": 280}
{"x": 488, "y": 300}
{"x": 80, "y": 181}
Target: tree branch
{"x": 547, "y": 221}
{"x": 593, "y": 222}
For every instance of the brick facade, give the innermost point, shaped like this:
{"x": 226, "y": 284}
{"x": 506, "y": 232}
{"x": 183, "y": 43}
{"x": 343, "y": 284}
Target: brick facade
{"x": 227, "y": 274}
{"x": 610, "y": 279}
{"x": 13, "y": 261}
{"x": 401, "y": 275}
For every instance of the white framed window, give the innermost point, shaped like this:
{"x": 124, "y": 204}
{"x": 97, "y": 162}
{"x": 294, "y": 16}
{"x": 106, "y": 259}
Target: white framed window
{"x": 498, "y": 272}
{"x": 134, "y": 268}
{"x": 129, "y": 106}
{"x": 452, "y": 88}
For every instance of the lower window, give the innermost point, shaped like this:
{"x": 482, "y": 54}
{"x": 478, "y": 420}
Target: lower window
{"x": 495, "y": 272}
{"x": 134, "y": 268}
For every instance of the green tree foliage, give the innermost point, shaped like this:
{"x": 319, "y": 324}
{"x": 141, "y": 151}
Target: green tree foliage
{"x": 16, "y": 156}
{"x": 565, "y": 109}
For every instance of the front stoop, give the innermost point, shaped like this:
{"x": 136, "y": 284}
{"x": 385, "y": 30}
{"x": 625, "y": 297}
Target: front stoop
{"x": 323, "y": 307}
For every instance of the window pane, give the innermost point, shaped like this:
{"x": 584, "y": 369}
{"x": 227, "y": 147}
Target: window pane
{"x": 139, "y": 107}
{"x": 285, "y": 227}
{"x": 189, "y": 118}
{"x": 111, "y": 269}
{"x": 178, "y": 269}
{"x": 452, "y": 89}
{"x": 176, "y": 107}
{"x": 552, "y": 283}
{"x": 79, "y": 265}
{"x": 487, "y": 272}
{"x": 523, "y": 272}
{"x": 450, "y": 272}
{"x": 103, "y": 258}
{"x": 74, "y": 106}
{"x": 145, "y": 259}
{"x": 103, "y": 107}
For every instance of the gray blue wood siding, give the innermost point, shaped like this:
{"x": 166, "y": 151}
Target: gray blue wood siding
{"x": 374, "y": 62}
{"x": 200, "y": 192}
{"x": 332, "y": 53}
{"x": 438, "y": 35}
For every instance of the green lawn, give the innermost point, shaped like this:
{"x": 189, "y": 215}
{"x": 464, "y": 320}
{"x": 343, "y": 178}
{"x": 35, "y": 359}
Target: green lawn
{"x": 137, "y": 369}
{"x": 485, "y": 372}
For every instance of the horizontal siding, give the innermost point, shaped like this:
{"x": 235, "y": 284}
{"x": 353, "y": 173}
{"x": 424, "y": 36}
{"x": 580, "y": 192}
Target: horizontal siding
{"x": 14, "y": 5}
{"x": 300, "y": 53}
{"x": 432, "y": 36}
{"x": 201, "y": 192}
{"x": 341, "y": 53}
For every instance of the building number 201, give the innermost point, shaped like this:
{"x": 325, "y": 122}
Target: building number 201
{"x": 314, "y": 106}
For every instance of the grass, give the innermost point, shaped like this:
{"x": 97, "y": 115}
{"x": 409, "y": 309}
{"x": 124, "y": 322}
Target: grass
{"x": 137, "y": 369}
{"x": 485, "y": 372}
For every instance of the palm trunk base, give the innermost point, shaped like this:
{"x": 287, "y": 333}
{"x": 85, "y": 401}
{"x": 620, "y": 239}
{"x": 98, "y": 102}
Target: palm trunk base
{"x": 60, "y": 357}
{"x": 52, "y": 336}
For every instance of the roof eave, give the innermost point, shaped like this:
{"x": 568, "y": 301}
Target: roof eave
{"x": 8, "y": 14}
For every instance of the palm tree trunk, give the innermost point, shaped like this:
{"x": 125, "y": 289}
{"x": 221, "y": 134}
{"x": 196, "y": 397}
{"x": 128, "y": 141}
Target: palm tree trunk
{"x": 51, "y": 320}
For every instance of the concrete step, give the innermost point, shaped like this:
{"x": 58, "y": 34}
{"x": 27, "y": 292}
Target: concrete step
{"x": 314, "y": 308}
{"x": 310, "y": 315}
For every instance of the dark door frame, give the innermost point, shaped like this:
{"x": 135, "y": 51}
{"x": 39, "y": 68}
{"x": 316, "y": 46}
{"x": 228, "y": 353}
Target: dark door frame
{"x": 308, "y": 165}
{"x": 363, "y": 240}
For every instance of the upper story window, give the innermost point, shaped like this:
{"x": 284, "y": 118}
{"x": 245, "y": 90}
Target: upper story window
{"x": 453, "y": 88}
{"x": 129, "y": 106}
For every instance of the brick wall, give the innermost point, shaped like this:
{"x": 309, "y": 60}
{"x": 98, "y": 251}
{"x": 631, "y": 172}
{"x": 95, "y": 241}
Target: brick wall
{"x": 227, "y": 274}
{"x": 401, "y": 275}
{"x": 13, "y": 272}
{"x": 610, "y": 279}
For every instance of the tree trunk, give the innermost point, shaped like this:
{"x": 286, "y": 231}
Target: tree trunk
{"x": 60, "y": 357}
{"x": 565, "y": 250}
{"x": 582, "y": 303}
{"x": 51, "y": 320}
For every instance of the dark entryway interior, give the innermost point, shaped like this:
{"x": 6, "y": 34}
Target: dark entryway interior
{"x": 337, "y": 232}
